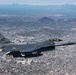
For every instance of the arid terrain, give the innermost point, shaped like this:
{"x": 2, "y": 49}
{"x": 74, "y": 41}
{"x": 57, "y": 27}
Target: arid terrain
{"x": 61, "y": 61}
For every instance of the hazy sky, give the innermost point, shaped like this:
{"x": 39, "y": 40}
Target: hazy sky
{"x": 39, "y": 2}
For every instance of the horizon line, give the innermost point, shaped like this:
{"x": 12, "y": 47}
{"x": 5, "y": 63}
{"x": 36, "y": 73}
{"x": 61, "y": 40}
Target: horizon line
{"x": 35, "y": 4}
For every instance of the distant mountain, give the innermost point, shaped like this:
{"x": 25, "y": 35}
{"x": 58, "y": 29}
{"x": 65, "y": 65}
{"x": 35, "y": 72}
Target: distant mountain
{"x": 33, "y": 9}
{"x": 45, "y": 20}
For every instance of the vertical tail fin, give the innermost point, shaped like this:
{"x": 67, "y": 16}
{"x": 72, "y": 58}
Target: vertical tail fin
{"x": 4, "y": 40}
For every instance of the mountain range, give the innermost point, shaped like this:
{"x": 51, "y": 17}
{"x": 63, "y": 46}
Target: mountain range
{"x": 29, "y": 9}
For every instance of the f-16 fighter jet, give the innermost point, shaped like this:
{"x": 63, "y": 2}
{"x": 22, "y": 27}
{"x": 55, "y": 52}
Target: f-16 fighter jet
{"x": 9, "y": 48}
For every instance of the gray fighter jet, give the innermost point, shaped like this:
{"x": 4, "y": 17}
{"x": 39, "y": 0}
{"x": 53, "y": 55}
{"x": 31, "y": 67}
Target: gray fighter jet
{"x": 18, "y": 50}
